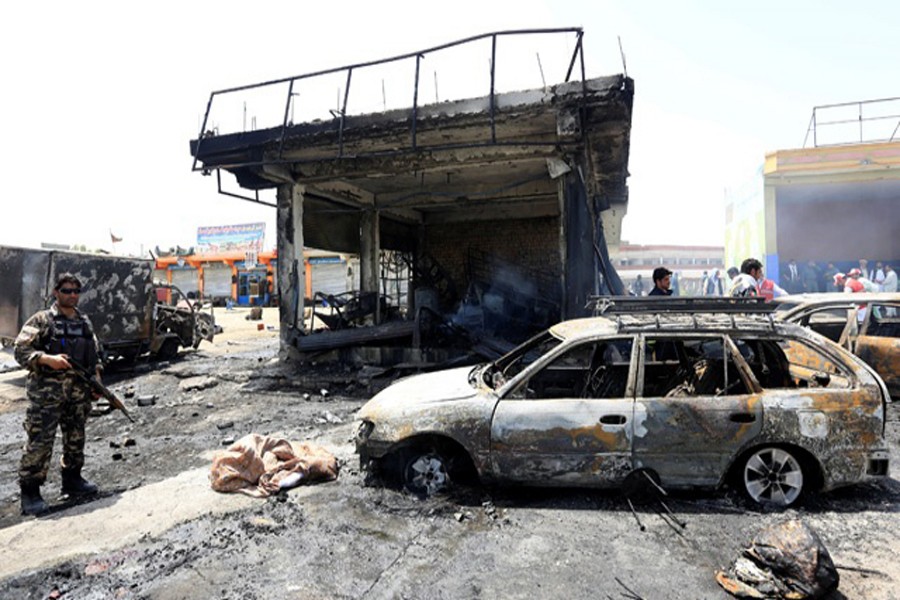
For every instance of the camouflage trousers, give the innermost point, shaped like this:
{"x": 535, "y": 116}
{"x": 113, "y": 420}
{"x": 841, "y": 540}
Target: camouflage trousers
{"x": 65, "y": 403}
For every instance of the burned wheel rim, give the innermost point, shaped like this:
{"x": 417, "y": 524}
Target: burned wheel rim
{"x": 773, "y": 476}
{"x": 427, "y": 474}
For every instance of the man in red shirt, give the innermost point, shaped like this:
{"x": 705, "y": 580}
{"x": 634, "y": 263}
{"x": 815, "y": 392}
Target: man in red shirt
{"x": 853, "y": 284}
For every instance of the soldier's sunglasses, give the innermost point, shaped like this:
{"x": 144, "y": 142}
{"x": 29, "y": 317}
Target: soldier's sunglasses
{"x": 69, "y": 291}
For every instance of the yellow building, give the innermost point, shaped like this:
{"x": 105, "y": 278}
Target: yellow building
{"x": 830, "y": 202}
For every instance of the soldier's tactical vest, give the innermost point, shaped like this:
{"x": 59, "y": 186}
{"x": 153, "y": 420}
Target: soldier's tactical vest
{"x": 74, "y": 338}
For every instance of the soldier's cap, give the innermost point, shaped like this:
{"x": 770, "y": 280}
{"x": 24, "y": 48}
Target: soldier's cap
{"x": 66, "y": 278}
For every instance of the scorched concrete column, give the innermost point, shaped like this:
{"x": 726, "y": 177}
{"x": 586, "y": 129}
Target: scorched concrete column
{"x": 369, "y": 251}
{"x": 291, "y": 271}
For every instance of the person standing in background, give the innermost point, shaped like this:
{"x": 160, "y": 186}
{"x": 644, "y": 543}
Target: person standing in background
{"x": 828, "y": 278}
{"x": 662, "y": 282}
{"x": 638, "y": 286}
{"x": 878, "y": 275}
{"x": 810, "y": 277}
{"x": 792, "y": 278}
{"x": 890, "y": 280}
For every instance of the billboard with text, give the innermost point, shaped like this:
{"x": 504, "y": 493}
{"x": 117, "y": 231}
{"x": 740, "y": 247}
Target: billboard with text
{"x": 231, "y": 238}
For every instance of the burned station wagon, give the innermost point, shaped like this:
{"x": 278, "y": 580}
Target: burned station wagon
{"x": 866, "y": 324}
{"x": 696, "y": 395}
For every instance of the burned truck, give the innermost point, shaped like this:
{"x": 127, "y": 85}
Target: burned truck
{"x": 132, "y": 314}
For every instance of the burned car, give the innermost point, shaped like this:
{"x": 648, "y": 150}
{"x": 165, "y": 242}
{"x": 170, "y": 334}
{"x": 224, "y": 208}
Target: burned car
{"x": 867, "y": 325}
{"x": 698, "y": 399}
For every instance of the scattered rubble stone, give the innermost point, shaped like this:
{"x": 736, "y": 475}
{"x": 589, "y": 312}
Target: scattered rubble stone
{"x": 306, "y": 396}
{"x": 330, "y": 417}
{"x": 114, "y": 444}
{"x": 118, "y": 456}
{"x": 129, "y": 392}
{"x": 195, "y": 370}
{"x": 129, "y": 442}
{"x": 323, "y": 392}
{"x": 147, "y": 400}
{"x": 210, "y": 405}
{"x": 459, "y": 516}
{"x": 228, "y": 440}
{"x": 238, "y": 377}
{"x": 197, "y": 383}
{"x": 225, "y": 425}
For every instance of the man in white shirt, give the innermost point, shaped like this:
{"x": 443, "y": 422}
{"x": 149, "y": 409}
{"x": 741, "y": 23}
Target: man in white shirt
{"x": 879, "y": 275}
{"x": 890, "y": 279}
{"x": 745, "y": 284}
{"x": 890, "y": 285}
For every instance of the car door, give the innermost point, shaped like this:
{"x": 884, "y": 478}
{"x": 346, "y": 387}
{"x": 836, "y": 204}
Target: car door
{"x": 834, "y": 321}
{"x": 878, "y": 343}
{"x": 568, "y": 421}
{"x": 695, "y": 408}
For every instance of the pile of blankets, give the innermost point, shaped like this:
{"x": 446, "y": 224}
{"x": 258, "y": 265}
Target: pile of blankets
{"x": 260, "y": 466}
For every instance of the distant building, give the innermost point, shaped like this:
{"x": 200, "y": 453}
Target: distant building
{"x": 689, "y": 262}
{"x": 836, "y": 200}
{"x": 251, "y": 278}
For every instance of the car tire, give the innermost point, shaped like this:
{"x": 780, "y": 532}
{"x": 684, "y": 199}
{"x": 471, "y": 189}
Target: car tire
{"x": 774, "y": 476}
{"x": 168, "y": 350}
{"x": 426, "y": 473}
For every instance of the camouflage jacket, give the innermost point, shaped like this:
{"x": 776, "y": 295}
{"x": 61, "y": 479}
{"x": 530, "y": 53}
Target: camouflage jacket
{"x": 35, "y": 338}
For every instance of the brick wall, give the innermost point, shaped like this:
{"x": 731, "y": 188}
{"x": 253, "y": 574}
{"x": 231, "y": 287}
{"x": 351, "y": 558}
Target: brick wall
{"x": 528, "y": 243}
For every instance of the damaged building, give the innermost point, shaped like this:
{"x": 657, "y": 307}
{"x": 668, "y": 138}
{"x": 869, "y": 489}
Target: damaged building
{"x": 491, "y": 213}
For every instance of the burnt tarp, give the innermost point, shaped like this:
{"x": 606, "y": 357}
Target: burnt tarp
{"x": 588, "y": 269}
{"x": 787, "y": 560}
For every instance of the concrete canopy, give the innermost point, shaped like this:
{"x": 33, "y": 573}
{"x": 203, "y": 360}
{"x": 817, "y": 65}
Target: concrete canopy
{"x": 447, "y": 164}
{"x": 495, "y": 198}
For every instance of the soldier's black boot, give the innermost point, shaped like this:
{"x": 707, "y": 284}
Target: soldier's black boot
{"x": 32, "y": 502}
{"x": 76, "y": 485}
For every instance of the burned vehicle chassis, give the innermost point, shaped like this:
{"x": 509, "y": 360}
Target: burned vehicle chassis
{"x": 811, "y": 423}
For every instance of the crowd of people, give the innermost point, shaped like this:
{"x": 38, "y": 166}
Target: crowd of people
{"x": 750, "y": 279}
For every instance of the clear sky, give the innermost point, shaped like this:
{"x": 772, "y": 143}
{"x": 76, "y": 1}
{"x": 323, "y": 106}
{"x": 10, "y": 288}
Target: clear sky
{"x": 100, "y": 99}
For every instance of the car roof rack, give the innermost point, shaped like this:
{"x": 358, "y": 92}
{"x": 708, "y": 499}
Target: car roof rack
{"x": 618, "y": 305}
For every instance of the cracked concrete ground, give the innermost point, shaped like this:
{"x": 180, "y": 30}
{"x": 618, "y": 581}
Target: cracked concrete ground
{"x": 158, "y": 531}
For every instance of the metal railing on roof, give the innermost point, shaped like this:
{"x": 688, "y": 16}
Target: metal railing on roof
{"x": 700, "y": 309}
{"x": 649, "y": 305}
{"x": 341, "y": 113}
{"x": 854, "y": 122}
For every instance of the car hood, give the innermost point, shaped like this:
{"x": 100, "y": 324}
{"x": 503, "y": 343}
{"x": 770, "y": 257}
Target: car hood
{"x": 430, "y": 388}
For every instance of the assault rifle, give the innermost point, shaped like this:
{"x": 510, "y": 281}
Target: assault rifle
{"x": 99, "y": 389}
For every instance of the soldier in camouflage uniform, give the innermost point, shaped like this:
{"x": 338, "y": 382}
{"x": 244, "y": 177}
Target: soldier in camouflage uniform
{"x": 49, "y": 342}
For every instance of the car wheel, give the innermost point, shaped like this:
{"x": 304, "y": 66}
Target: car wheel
{"x": 168, "y": 350}
{"x": 773, "y": 475}
{"x": 426, "y": 473}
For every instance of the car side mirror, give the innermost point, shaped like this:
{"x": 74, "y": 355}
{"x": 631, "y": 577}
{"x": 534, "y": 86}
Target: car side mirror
{"x": 821, "y": 378}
